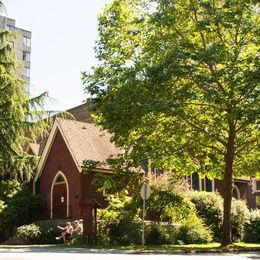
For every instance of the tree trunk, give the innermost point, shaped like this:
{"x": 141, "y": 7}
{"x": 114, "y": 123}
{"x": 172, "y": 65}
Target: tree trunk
{"x": 228, "y": 182}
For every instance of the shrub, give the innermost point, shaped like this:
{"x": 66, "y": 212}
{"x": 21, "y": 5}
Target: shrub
{"x": 240, "y": 216}
{"x": 252, "y": 229}
{"x": 119, "y": 223}
{"x": 18, "y": 207}
{"x": 28, "y": 233}
{"x": 194, "y": 231}
{"x": 209, "y": 207}
{"x": 168, "y": 201}
{"x": 126, "y": 234}
{"x": 2, "y": 206}
{"x": 170, "y": 207}
{"x": 40, "y": 233}
{"x": 48, "y": 233}
{"x": 158, "y": 234}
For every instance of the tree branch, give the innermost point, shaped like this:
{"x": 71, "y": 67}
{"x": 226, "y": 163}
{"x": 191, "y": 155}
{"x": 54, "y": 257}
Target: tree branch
{"x": 202, "y": 130}
{"x": 201, "y": 104}
{"x": 210, "y": 64}
{"x": 213, "y": 73}
{"x": 244, "y": 145}
{"x": 200, "y": 32}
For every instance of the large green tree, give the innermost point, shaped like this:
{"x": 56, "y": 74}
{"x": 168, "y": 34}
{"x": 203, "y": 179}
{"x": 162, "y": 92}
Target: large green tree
{"x": 21, "y": 117}
{"x": 178, "y": 82}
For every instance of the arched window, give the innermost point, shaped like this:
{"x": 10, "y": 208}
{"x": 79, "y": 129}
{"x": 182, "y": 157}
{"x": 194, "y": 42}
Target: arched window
{"x": 59, "y": 179}
{"x": 236, "y": 192}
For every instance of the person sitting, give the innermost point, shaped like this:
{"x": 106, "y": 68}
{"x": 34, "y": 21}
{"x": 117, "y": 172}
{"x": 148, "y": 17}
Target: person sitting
{"x": 66, "y": 233}
{"x": 77, "y": 229}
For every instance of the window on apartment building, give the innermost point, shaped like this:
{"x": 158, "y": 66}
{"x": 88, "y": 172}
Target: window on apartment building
{"x": 10, "y": 27}
{"x": 27, "y": 87}
{"x": 27, "y": 41}
{"x": 26, "y": 56}
{"x": 26, "y": 72}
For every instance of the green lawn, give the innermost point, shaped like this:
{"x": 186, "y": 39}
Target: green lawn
{"x": 246, "y": 245}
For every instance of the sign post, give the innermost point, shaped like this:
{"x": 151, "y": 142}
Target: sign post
{"x": 145, "y": 194}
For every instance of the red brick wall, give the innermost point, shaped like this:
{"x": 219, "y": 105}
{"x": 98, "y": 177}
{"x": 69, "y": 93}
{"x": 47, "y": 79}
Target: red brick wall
{"x": 219, "y": 186}
{"x": 59, "y": 159}
{"x": 244, "y": 189}
{"x": 90, "y": 191}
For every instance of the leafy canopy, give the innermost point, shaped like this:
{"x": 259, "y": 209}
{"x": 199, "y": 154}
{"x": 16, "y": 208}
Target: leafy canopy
{"x": 178, "y": 82}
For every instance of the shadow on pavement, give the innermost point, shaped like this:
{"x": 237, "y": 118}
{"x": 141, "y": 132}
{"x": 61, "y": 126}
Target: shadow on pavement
{"x": 68, "y": 250}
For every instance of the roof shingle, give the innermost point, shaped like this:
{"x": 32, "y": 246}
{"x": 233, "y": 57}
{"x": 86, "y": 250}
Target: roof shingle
{"x": 86, "y": 141}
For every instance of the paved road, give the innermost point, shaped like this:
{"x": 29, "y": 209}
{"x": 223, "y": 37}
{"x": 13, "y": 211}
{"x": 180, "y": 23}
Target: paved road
{"x": 93, "y": 254}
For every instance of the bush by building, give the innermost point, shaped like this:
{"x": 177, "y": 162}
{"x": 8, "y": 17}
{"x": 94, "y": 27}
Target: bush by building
{"x": 158, "y": 234}
{"x": 40, "y": 233}
{"x": 194, "y": 231}
{"x": 209, "y": 207}
{"x": 240, "y": 217}
{"x": 252, "y": 229}
{"x": 119, "y": 224}
{"x": 17, "y": 207}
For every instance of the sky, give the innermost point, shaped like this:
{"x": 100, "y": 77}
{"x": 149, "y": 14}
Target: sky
{"x": 63, "y": 39}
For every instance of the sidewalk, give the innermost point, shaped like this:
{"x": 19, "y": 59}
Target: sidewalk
{"x": 173, "y": 249}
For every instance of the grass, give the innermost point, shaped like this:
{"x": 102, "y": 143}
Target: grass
{"x": 247, "y": 245}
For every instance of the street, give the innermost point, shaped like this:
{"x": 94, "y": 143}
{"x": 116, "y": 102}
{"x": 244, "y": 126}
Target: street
{"x": 82, "y": 253}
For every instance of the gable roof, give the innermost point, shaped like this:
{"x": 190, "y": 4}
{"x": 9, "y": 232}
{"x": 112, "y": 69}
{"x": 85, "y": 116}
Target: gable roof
{"x": 80, "y": 113}
{"x": 84, "y": 141}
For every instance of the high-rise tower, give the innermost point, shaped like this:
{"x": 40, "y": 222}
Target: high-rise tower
{"x": 22, "y": 45}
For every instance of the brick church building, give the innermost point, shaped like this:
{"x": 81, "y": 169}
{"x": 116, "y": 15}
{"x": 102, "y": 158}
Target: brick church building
{"x": 68, "y": 194}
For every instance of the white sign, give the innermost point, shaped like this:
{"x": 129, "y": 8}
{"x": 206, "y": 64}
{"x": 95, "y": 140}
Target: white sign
{"x": 145, "y": 191}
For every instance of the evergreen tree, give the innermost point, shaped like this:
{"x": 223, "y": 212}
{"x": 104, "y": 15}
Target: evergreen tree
{"x": 21, "y": 117}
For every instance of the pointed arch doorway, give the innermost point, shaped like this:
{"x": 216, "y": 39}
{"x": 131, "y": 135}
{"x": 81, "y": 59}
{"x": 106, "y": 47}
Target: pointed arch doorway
{"x": 59, "y": 197}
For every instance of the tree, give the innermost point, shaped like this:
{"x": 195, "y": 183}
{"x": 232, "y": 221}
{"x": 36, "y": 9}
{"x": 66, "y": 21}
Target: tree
{"x": 18, "y": 206}
{"x": 21, "y": 117}
{"x": 177, "y": 82}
